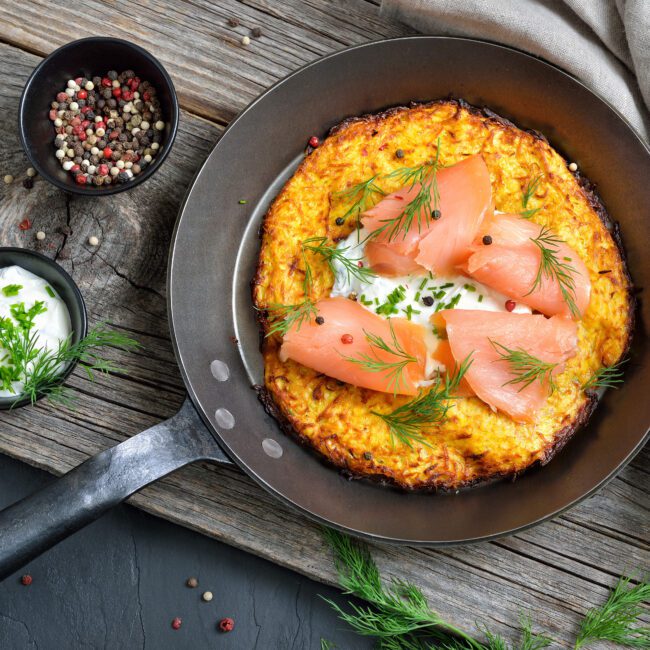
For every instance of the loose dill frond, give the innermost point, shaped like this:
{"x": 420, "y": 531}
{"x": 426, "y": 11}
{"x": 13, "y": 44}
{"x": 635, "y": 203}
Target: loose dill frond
{"x": 428, "y": 407}
{"x": 283, "y": 317}
{"x": 396, "y": 610}
{"x": 362, "y": 193}
{"x": 555, "y": 269}
{"x": 616, "y": 620}
{"x": 333, "y": 254}
{"x": 529, "y": 192}
{"x": 606, "y": 377}
{"x": 327, "y": 645}
{"x": 525, "y": 367}
{"x": 393, "y": 370}
{"x": 43, "y": 374}
{"x": 419, "y": 209}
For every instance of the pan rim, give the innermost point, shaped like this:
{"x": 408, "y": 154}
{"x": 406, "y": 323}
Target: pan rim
{"x": 197, "y": 402}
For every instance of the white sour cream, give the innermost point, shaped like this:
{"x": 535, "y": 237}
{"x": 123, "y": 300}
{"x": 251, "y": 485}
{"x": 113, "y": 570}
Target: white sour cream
{"x": 401, "y": 297}
{"x": 50, "y": 327}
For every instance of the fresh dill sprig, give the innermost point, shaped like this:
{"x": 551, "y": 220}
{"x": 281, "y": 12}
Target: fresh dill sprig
{"x": 606, "y": 377}
{"x": 525, "y": 367}
{"x": 428, "y": 407}
{"x": 615, "y": 620}
{"x": 333, "y": 254}
{"x": 393, "y": 370}
{"x": 398, "y": 609}
{"x": 419, "y": 208}
{"x": 552, "y": 267}
{"x": 43, "y": 374}
{"x": 285, "y": 316}
{"x": 362, "y": 193}
{"x": 529, "y": 191}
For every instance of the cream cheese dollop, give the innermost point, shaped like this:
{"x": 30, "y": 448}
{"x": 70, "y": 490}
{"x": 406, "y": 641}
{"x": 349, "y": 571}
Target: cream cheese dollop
{"x": 51, "y": 327}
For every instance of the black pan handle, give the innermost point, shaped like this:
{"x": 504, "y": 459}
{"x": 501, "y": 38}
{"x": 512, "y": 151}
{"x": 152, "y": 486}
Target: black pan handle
{"x": 41, "y": 520}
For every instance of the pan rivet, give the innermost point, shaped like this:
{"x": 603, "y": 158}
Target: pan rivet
{"x": 272, "y": 448}
{"x": 224, "y": 418}
{"x": 220, "y": 370}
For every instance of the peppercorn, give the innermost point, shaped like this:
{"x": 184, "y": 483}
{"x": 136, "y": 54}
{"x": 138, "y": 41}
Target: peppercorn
{"x": 176, "y": 623}
{"x": 339, "y": 221}
{"x": 347, "y": 339}
{"x": 319, "y": 320}
{"x": 26, "y": 580}
{"x": 28, "y": 183}
{"x": 233, "y": 22}
{"x": 40, "y": 235}
{"x": 256, "y": 32}
{"x": 8, "y": 179}
{"x": 510, "y": 305}
{"x": 367, "y": 455}
{"x": 314, "y": 141}
{"x": 226, "y": 624}
{"x": 427, "y": 300}
{"x": 436, "y": 214}
{"x": 399, "y": 153}
{"x": 487, "y": 240}
{"x": 192, "y": 583}
{"x": 207, "y": 596}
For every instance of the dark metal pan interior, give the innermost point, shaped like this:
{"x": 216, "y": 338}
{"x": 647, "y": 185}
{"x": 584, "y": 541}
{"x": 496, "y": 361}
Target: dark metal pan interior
{"x": 215, "y": 248}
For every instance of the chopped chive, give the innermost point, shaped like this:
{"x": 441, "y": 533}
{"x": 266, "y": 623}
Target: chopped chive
{"x": 480, "y": 298}
{"x": 417, "y": 296}
{"x": 11, "y": 289}
{"x": 50, "y": 291}
{"x": 423, "y": 284}
{"x": 469, "y": 287}
{"x": 439, "y": 294}
{"x": 242, "y": 201}
{"x": 447, "y": 285}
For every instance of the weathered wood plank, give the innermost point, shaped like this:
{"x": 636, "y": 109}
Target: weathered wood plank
{"x": 554, "y": 571}
{"x": 215, "y": 75}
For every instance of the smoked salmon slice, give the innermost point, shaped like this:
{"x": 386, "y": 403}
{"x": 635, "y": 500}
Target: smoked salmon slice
{"x": 344, "y": 335}
{"x": 484, "y": 335}
{"x": 511, "y": 263}
{"x": 438, "y": 245}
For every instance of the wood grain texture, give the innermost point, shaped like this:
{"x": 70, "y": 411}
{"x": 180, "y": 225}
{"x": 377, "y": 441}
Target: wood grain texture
{"x": 554, "y": 572}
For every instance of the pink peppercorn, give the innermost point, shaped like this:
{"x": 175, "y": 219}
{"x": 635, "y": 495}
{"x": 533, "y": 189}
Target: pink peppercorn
{"x": 81, "y": 179}
{"x": 52, "y": 114}
{"x": 106, "y": 82}
{"x": 360, "y": 264}
{"x": 314, "y": 141}
{"x": 77, "y": 80}
{"x": 62, "y": 97}
{"x": 226, "y": 624}
{"x": 347, "y": 339}
{"x": 107, "y": 151}
{"x": 510, "y": 305}
{"x": 26, "y": 580}
{"x": 176, "y": 623}
{"x": 103, "y": 170}
{"x": 117, "y": 92}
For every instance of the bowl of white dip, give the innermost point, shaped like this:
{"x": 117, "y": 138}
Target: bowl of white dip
{"x": 41, "y": 308}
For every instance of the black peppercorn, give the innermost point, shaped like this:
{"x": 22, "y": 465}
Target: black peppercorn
{"x": 367, "y": 455}
{"x": 256, "y": 32}
{"x": 340, "y": 221}
{"x": 399, "y": 153}
{"x": 233, "y": 22}
{"x": 427, "y": 300}
{"x": 28, "y": 183}
{"x": 487, "y": 240}
{"x": 319, "y": 320}
{"x": 436, "y": 214}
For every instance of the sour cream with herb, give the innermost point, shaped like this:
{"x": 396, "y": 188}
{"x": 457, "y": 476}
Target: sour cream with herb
{"x": 415, "y": 297}
{"x": 29, "y": 307}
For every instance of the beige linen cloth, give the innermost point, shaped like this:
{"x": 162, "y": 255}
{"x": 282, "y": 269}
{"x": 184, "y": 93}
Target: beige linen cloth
{"x": 604, "y": 43}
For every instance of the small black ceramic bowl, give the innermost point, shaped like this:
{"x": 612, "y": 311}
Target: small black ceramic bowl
{"x": 88, "y": 57}
{"x": 64, "y": 285}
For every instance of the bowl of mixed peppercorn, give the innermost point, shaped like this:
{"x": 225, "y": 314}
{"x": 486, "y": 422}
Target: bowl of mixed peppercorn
{"x": 98, "y": 116}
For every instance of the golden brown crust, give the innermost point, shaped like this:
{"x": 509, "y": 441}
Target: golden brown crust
{"x": 474, "y": 444}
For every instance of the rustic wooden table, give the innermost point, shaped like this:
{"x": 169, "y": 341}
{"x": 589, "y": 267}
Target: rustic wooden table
{"x": 554, "y": 572}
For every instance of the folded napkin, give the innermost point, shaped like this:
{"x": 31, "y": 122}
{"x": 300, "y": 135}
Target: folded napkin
{"x": 604, "y": 43}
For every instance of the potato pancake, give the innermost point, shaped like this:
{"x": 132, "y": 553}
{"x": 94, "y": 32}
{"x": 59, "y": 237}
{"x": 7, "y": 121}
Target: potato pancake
{"x": 474, "y": 443}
